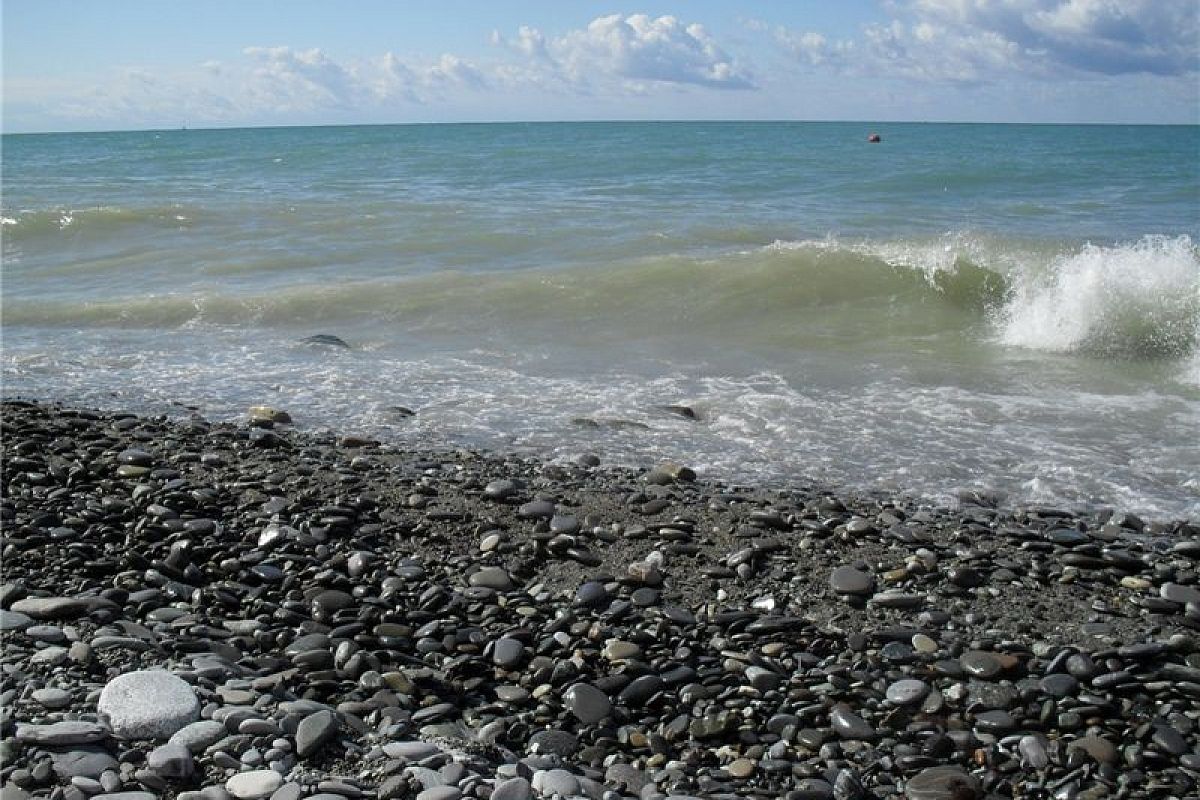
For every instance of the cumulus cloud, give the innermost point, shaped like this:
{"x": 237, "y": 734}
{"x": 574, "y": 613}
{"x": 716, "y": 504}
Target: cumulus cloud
{"x": 616, "y": 55}
{"x": 275, "y": 83}
{"x": 978, "y": 40}
{"x": 284, "y": 79}
{"x": 634, "y": 52}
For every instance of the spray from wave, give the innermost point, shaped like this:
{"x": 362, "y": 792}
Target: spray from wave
{"x": 1133, "y": 301}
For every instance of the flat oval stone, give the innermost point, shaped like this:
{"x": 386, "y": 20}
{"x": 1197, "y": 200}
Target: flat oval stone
{"x": 587, "y": 703}
{"x": 849, "y": 725}
{"x": 942, "y": 783}
{"x": 555, "y": 782}
{"x": 492, "y": 578}
{"x": 512, "y": 789}
{"x": 254, "y": 785}
{"x": 14, "y": 620}
{"x": 61, "y": 734}
{"x": 148, "y": 704}
{"x": 197, "y": 736}
{"x": 980, "y": 664}
{"x": 848, "y": 580}
{"x": 924, "y": 644}
{"x": 52, "y": 697}
{"x": 47, "y": 608}
{"x": 135, "y": 457}
{"x": 501, "y": 489}
{"x": 560, "y": 743}
{"x": 591, "y": 593}
{"x": 536, "y": 509}
{"x": 435, "y": 793}
{"x": 640, "y": 690}
{"x": 907, "y": 691}
{"x": 1175, "y": 592}
{"x": 1099, "y": 748}
{"x": 1059, "y": 685}
{"x": 90, "y": 761}
{"x": 997, "y": 721}
{"x": 410, "y": 751}
{"x": 896, "y": 599}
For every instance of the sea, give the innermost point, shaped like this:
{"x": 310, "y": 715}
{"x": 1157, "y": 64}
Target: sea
{"x": 958, "y": 312}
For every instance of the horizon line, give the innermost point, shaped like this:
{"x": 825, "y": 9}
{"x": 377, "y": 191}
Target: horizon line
{"x": 615, "y": 120}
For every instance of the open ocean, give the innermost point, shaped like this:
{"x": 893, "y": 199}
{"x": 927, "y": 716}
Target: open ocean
{"x": 1006, "y": 308}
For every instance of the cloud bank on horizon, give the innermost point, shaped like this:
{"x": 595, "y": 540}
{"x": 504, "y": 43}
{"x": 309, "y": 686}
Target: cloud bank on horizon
{"x": 1036, "y": 60}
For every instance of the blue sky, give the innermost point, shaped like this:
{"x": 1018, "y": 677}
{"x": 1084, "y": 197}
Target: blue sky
{"x": 76, "y": 65}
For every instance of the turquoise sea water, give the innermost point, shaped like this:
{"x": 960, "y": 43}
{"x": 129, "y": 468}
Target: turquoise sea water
{"x": 999, "y": 307}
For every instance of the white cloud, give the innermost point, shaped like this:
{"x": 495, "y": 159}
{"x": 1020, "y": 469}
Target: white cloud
{"x": 283, "y": 79}
{"x": 981, "y": 40}
{"x": 633, "y": 53}
{"x": 619, "y": 56}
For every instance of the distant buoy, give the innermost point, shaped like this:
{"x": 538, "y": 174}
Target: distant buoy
{"x": 874, "y": 138}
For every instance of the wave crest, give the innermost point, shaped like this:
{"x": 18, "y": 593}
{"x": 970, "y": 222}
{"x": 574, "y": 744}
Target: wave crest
{"x": 1139, "y": 300}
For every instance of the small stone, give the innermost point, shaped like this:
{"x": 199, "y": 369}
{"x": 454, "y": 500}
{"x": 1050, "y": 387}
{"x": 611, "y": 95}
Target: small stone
{"x": 1100, "y": 749}
{"x": 436, "y": 793}
{"x": 587, "y": 703}
{"x": 88, "y": 760}
{"x": 410, "y": 751}
{"x": 740, "y": 768}
{"x": 314, "y": 731}
{"x": 620, "y": 650}
{"x": 50, "y": 608}
{"x": 197, "y": 736}
{"x": 924, "y": 644}
{"x": 848, "y": 580}
{"x": 1175, "y": 592}
{"x": 14, "y": 620}
{"x": 670, "y": 472}
{"x": 501, "y": 489}
{"x": 512, "y": 789}
{"x": 764, "y": 680}
{"x": 942, "y": 783}
{"x": 268, "y": 414}
{"x": 1059, "y": 685}
{"x": 980, "y": 664}
{"x": 507, "y": 653}
{"x": 849, "y": 725}
{"x": 551, "y": 782}
{"x": 135, "y": 458}
{"x": 1169, "y": 740}
{"x": 560, "y": 743}
{"x": 172, "y": 761}
{"x": 254, "y": 785}
{"x": 536, "y": 509}
{"x": 61, "y": 734}
{"x": 492, "y": 578}
{"x": 906, "y": 692}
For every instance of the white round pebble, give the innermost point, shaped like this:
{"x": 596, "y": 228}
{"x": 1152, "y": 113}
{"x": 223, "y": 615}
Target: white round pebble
{"x": 148, "y": 704}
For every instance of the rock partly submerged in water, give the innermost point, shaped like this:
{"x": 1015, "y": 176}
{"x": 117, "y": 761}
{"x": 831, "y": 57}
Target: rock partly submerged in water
{"x": 326, "y": 340}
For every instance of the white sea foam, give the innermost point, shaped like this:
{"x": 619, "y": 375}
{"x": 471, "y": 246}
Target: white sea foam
{"x": 1133, "y": 300}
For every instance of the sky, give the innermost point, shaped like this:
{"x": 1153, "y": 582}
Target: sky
{"x": 72, "y": 65}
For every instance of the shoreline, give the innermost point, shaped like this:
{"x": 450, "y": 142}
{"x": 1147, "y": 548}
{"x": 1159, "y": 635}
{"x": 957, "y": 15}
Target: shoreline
{"x": 732, "y": 641}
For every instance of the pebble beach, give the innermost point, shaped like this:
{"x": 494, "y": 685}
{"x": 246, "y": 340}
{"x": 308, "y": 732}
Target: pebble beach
{"x": 253, "y": 610}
